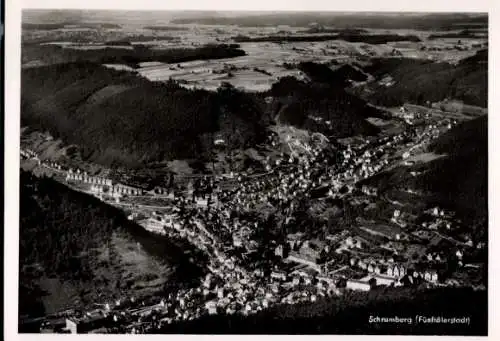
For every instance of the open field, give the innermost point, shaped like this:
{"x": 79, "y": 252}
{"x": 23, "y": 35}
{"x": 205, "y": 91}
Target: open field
{"x": 269, "y": 56}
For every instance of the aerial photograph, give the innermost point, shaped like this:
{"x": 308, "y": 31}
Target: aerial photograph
{"x": 211, "y": 172}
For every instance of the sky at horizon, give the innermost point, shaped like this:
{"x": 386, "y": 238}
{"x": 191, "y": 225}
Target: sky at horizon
{"x": 91, "y": 15}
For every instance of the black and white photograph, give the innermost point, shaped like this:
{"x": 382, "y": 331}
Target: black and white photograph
{"x": 253, "y": 172}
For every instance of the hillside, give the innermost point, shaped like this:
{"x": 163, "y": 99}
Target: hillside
{"x": 311, "y": 105}
{"x": 89, "y": 249}
{"x": 458, "y": 181}
{"x": 117, "y": 117}
{"x": 419, "y": 81}
{"x": 461, "y": 179}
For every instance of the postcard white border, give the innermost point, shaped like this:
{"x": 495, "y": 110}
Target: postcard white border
{"x": 12, "y": 129}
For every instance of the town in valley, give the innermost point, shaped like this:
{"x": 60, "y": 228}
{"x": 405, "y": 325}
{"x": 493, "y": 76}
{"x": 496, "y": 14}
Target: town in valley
{"x": 357, "y": 164}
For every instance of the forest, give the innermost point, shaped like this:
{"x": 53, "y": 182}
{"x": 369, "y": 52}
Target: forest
{"x": 321, "y": 29}
{"x": 444, "y": 21}
{"x": 467, "y": 164}
{"x": 57, "y": 26}
{"x": 349, "y": 314}
{"x": 53, "y": 54}
{"x": 58, "y": 228}
{"x": 350, "y": 37}
{"x": 30, "y": 26}
{"x": 166, "y": 28}
{"x": 418, "y": 81}
{"x": 460, "y": 35}
{"x": 294, "y": 101}
{"x": 338, "y": 77}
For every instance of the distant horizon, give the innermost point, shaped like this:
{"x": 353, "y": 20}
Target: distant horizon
{"x": 227, "y": 7}
{"x": 326, "y": 12}
{"x": 62, "y": 15}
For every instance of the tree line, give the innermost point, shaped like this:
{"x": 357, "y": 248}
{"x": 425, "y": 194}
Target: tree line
{"x": 53, "y": 54}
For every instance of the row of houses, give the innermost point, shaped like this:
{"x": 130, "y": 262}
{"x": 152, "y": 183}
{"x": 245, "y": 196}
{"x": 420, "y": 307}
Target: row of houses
{"x": 51, "y": 164}
{"x": 100, "y": 184}
{"x": 28, "y": 153}
{"x": 124, "y": 189}
{"x": 393, "y": 269}
{"x": 375, "y": 279}
{"x": 84, "y": 177}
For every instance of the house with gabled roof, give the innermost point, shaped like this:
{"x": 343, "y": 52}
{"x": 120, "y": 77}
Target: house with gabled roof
{"x": 396, "y": 270}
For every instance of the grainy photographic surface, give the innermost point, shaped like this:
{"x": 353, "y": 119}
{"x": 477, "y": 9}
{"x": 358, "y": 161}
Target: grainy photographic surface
{"x": 253, "y": 173}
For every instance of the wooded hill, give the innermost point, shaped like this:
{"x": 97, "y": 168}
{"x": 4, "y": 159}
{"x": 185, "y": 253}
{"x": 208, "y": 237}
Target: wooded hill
{"x": 298, "y": 103}
{"x": 119, "y": 118}
{"x": 418, "y": 81}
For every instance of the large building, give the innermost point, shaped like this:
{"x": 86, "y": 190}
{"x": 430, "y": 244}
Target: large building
{"x": 358, "y": 285}
{"x": 308, "y": 254}
{"x": 379, "y": 279}
{"x": 89, "y": 322}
